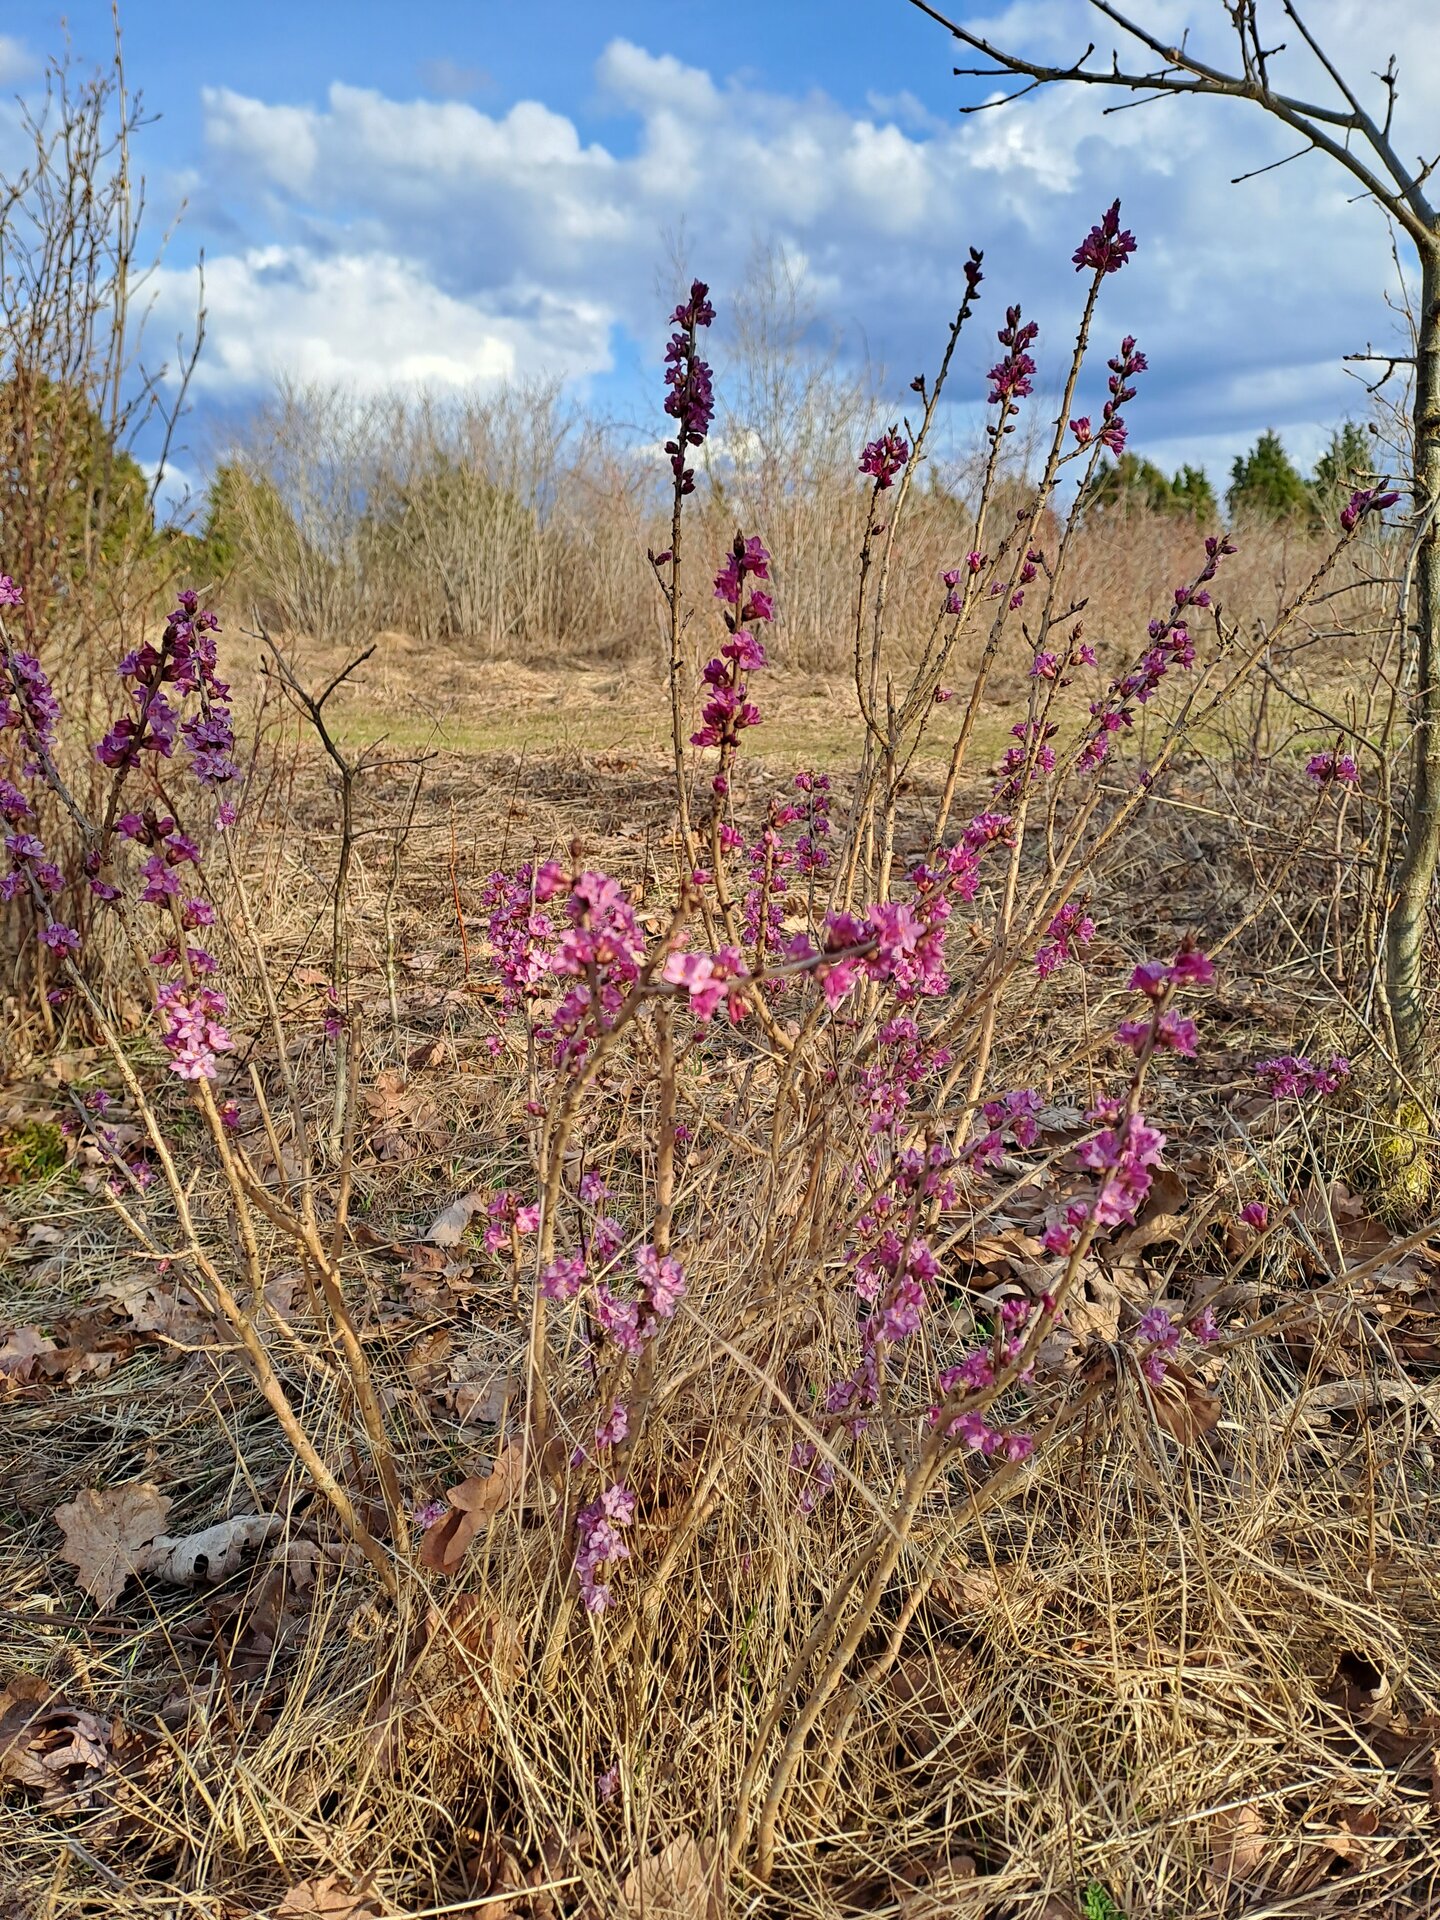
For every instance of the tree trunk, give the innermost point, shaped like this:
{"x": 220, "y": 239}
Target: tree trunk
{"x": 1406, "y": 1160}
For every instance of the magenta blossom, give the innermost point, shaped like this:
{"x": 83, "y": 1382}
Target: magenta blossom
{"x": 1106, "y": 247}
{"x": 885, "y": 457}
{"x": 1333, "y": 770}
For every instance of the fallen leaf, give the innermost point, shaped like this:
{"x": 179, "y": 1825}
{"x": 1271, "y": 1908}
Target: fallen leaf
{"x": 447, "y": 1229}
{"x": 107, "y": 1533}
{"x": 1183, "y": 1406}
{"x": 1354, "y": 1826}
{"x": 212, "y": 1554}
{"x": 47, "y": 1746}
{"x": 927, "y": 1694}
{"x": 1239, "y": 1846}
{"x": 474, "y": 1503}
{"x": 403, "y": 1118}
{"x": 426, "y": 1357}
{"x": 683, "y": 1881}
{"x": 1361, "y": 1690}
{"x": 169, "y": 1313}
{"x": 942, "y": 1887}
{"x": 21, "y": 1353}
{"x": 330, "y": 1898}
{"x": 1093, "y": 1309}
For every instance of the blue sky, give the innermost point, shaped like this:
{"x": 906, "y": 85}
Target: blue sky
{"x": 448, "y": 195}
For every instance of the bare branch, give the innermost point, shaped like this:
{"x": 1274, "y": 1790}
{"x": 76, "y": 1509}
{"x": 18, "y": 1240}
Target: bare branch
{"x": 1255, "y": 172}
{"x": 1328, "y": 129}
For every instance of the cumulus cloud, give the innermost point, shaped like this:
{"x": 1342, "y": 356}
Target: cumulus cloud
{"x": 372, "y": 320}
{"x": 429, "y": 242}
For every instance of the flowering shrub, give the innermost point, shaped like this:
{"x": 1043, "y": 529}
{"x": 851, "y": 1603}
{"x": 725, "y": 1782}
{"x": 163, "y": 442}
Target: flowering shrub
{"x": 884, "y": 968}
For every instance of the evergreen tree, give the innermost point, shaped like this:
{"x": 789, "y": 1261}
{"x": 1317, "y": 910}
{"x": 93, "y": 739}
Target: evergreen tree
{"x": 1345, "y": 464}
{"x": 1266, "y": 484}
{"x": 1132, "y": 481}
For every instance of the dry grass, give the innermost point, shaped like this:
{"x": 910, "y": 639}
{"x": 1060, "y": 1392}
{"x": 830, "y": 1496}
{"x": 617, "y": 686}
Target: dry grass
{"x": 1192, "y": 1680}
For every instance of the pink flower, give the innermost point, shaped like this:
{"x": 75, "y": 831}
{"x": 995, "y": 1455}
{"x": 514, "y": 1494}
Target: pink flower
{"x": 662, "y": 1279}
{"x": 1106, "y": 248}
{"x": 60, "y": 939}
{"x": 885, "y": 457}
{"x": 614, "y": 1428}
{"x": 1333, "y": 769}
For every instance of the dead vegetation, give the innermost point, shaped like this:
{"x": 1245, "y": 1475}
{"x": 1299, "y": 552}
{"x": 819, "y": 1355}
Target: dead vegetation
{"x": 1187, "y": 1662}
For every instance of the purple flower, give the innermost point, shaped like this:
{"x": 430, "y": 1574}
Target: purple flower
{"x": 1106, "y": 248}
{"x": 1333, "y": 770}
{"x": 885, "y": 457}
{"x": 10, "y": 594}
{"x": 1013, "y": 377}
{"x": 1364, "y": 500}
{"x": 1296, "y": 1077}
{"x": 614, "y": 1428}
{"x": 60, "y": 939}
{"x": 690, "y": 401}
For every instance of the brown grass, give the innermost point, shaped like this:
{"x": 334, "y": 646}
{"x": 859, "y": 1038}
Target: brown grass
{"x": 1203, "y": 1680}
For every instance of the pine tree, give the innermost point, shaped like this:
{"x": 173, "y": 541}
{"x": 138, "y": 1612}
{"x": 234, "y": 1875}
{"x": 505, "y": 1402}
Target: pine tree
{"x": 1266, "y": 483}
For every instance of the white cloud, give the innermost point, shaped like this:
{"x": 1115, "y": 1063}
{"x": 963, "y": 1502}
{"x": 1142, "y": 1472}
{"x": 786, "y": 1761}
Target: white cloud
{"x": 429, "y": 242}
{"x": 371, "y": 320}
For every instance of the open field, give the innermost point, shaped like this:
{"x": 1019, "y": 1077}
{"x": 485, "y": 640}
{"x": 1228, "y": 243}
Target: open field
{"x": 1176, "y": 1664}
{"x": 718, "y": 1136}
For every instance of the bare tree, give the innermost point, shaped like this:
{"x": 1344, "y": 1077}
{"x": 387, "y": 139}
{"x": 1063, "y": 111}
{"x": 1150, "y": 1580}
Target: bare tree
{"x": 1358, "y": 140}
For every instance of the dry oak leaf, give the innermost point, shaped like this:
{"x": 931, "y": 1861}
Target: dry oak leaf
{"x": 944, "y": 1887}
{"x": 51, "y": 1748}
{"x": 473, "y": 1504}
{"x": 1239, "y": 1846}
{"x": 684, "y": 1881}
{"x": 212, "y": 1554}
{"x": 1184, "y": 1407}
{"x": 329, "y": 1899}
{"x": 469, "y": 1654}
{"x": 22, "y": 1352}
{"x": 107, "y": 1535}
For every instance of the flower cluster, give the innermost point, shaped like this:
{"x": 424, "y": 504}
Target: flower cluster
{"x": 1013, "y": 377}
{"x": 600, "y": 1528}
{"x": 185, "y": 663}
{"x": 1292, "y": 1076}
{"x": 628, "y": 1323}
{"x": 1034, "y": 756}
{"x": 1067, "y": 937}
{"x": 690, "y": 402}
{"x": 521, "y": 938}
{"x": 1112, "y": 434}
{"x": 592, "y": 961}
{"x": 1124, "y": 1152}
{"x": 1107, "y": 246}
{"x": 1158, "y": 1335}
{"x": 1171, "y": 646}
{"x": 729, "y": 710}
{"x": 1016, "y": 1113}
{"x": 885, "y": 457}
{"x": 1054, "y": 667}
{"x": 1362, "y": 501}
{"x": 904, "y": 1060}
{"x": 190, "y": 1028}
{"x": 507, "y": 1218}
{"x": 1333, "y": 769}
